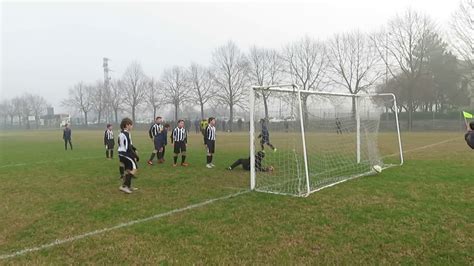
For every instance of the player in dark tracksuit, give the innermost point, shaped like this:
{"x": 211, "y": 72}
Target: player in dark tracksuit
{"x": 155, "y": 132}
{"x": 246, "y": 163}
{"x": 161, "y": 155}
{"x": 128, "y": 155}
{"x": 109, "y": 142}
{"x": 469, "y": 136}
{"x": 265, "y": 136}
{"x": 67, "y": 136}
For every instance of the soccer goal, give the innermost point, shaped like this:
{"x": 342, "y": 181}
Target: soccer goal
{"x": 313, "y": 140}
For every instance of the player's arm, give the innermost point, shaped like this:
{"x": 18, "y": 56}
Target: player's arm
{"x": 150, "y": 132}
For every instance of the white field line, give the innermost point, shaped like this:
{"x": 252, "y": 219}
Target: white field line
{"x": 118, "y": 226}
{"x": 422, "y": 147}
{"x": 49, "y": 162}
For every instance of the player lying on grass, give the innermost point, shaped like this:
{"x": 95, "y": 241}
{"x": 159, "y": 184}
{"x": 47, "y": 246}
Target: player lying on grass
{"x": 469, "y": 136}
{"x": 127, "y": 154}
{"x": 258, "y": 163}
{"x": 265, "y": 136}
{"x": 180, "y": 139}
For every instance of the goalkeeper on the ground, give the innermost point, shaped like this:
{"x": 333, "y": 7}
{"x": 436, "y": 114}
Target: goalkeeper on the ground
{"x": 258, "y": 163}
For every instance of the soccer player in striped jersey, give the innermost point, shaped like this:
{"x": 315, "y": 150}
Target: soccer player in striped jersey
{"x": 180, "y": 139}
{"x": 210, "y": 138}
{"x": 127, "y": 154}
{"x": 154, "y": 133}
{"x": 109, "y": 142}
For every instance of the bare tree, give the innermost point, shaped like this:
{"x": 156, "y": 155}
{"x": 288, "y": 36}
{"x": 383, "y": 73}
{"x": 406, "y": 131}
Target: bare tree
{"x": 10, "y": 110}
{"x": 27, "y": 108}
{"x": 134, "y": 87}
{"x": 38, "y": 105}
{"x": 175, "y": 89}
{"x": 462, "y": 24}
{"x": 462, "y": 39}
{"x": 201, "y": 82}
{"x": 306, "y": 63}
{"x": 116, "y": 100}
{"x": 353, "y": 62}
{"x": 99, "y": 99}
{"x": 4, "y": 105}
{"x": 80, "y": 97}
{"x": 230, "y": 69}
{"x": 153, "y": 93}
{"x": 265, "y": 68}
{"x": 402, "y": 48}
{"x": 18, "y": 103}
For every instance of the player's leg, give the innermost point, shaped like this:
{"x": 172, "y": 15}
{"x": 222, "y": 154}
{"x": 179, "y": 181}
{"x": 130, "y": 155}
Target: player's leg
{"x": 262, "y": 142}
{"x": 235, "y": 164}
{"x": 271, "y": 145}
{"x": 70, "y": 144}
{"x": 130, "y": 170}
{"x": 65, "y": 144}
{"x": 183, "y": 154}
{"x": 176, "y": 151}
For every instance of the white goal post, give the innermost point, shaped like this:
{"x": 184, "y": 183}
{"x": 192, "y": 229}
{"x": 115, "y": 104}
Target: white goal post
{"x": 305, "y": 141}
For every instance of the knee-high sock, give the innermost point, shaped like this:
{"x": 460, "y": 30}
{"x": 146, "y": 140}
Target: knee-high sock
{"x": 121, "y": 170}
{"x": 236, "y": 163}
{"x": 175, "y": 159}
{"x": 152, "y": 156}
{"x": 128, "y": 180}
{"x": 183, "y": 158}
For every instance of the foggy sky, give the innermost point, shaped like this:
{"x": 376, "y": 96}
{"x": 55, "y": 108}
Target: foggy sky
{"x": 48, "y": 47}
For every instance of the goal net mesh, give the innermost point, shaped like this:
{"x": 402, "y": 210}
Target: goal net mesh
{"x": 343, "y": 139}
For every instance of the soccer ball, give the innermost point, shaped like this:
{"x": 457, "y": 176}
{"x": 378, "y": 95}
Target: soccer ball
{"x": 377, "y": 168}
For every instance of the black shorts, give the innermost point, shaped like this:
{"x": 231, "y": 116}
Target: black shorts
{"x": 211, "y": 146}
{"x": 110, "y": 144}
{"x": 264, "y": 141}
{"x": 179, "y": 146}
{"x": 128, "y": 162}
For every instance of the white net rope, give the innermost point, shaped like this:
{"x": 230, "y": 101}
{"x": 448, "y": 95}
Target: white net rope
{"x": 334, "y": 151}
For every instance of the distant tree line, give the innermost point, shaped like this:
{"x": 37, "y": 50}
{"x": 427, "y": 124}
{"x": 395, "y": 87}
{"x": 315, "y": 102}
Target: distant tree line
{"x": 408, "y": 57}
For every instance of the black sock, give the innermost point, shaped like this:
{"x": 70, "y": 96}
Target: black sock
{"x": 107, "y": 154}
{"x": 175, "y": 158}
{"x": 112, "y": 154}
{"x": 208, "y": 159}
{"x": 128, "y": 180}
{"x": 183, "y": 158}
{"x": 121, "y": 170}
{"x": 152, "y": 156}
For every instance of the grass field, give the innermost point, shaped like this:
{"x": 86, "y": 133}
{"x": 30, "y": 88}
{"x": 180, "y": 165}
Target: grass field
{"x": 420, "y": 213}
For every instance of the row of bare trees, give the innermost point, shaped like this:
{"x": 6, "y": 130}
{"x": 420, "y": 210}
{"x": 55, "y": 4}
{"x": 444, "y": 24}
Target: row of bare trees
{"x": 22, "y": 108}
{"x": 419, "y": 66}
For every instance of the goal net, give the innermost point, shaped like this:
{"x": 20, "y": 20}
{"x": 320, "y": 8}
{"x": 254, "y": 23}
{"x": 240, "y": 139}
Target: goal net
{"x": 313, "y": 140}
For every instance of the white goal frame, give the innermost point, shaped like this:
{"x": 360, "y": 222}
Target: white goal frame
{"x": 292, "y": 88}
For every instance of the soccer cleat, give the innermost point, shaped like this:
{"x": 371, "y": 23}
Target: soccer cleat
{"x": 174, "y": 165}
{"x": 161, "y": 161}
{"x": 209, "y": 165}
{"x": 150, "y": 162}
{"x": 275, "y": 150}
{"x": 212, "y": 164}
{"x": 125, "y": 189}
{"x": 184, "y": 164}
{"x": 133, "y": 188}
{"x": 229, "y": 168}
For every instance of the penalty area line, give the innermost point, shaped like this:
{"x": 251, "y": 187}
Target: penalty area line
{"x": 118, "y": 226}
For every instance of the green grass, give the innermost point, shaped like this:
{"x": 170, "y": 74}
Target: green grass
{"x": 420, "y": 213}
